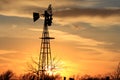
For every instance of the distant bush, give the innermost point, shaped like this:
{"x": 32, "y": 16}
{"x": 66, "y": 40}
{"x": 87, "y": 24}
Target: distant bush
{"x": 28, "y": 76}
{"x": 6, "y": 75}
{"x": 31, "y": 76}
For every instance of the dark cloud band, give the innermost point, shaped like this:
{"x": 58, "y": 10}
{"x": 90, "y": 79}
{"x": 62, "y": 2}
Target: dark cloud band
{"x": 74, "y": 12}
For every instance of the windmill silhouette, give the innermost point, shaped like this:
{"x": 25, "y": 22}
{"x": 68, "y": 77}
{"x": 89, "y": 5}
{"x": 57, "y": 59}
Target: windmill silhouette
{"x": 45, "y": 57}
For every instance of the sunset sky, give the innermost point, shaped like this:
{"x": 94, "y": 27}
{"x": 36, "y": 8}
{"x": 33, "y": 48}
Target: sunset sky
{"x": 86, "y": 34}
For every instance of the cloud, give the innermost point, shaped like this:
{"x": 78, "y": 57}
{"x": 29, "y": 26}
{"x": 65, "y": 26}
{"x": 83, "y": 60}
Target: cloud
{"x": 92, "y": 42}
{"x": 108, "y": 35}
{"x": 75, "y": 12}
{"x": 92, "y": 16}
{"x": 6, "y": 51}
{"x": 89, "y": 38}
{"x": 92, "y": 21}
{"x": 9, "y": 58}
{"x": 81, "y": 44}
{"x": 67, "y": 37}
{"x": 108, "y": 4}
{"x": 62, "y": 9}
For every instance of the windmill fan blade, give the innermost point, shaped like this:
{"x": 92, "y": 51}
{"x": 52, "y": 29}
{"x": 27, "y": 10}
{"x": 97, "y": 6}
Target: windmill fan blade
{"x": 35, "y": 16}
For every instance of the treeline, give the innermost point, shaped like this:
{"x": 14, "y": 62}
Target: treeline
{"x": 9, "y": 75}
{"x": 6, "y": 75}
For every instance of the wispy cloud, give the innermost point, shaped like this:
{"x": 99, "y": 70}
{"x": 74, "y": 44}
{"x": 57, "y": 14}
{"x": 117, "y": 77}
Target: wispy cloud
{"x": 75, "y": 12}
{"x": 21, "y": 9}
{"x": 6, "y": 51}
{"x": 71, "y": 38}
{"x": 93, "y": 16}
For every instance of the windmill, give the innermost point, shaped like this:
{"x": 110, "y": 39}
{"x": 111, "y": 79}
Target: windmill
{"x": 45, "y": 57}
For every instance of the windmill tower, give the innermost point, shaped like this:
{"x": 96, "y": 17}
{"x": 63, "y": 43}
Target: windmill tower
{"x": 45, "y": 57}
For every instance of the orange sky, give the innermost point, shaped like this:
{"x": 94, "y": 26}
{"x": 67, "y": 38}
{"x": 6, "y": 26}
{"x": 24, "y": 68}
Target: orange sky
{"x": 86, "y": 36}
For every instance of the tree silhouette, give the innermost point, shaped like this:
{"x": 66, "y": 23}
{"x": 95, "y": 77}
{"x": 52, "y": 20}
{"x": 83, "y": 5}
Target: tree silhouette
{"x": 33, "y": 68}
{"x": 116, "y": 74}
{"x": 28, "y": 76}
{"x": 7, "y": 75}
